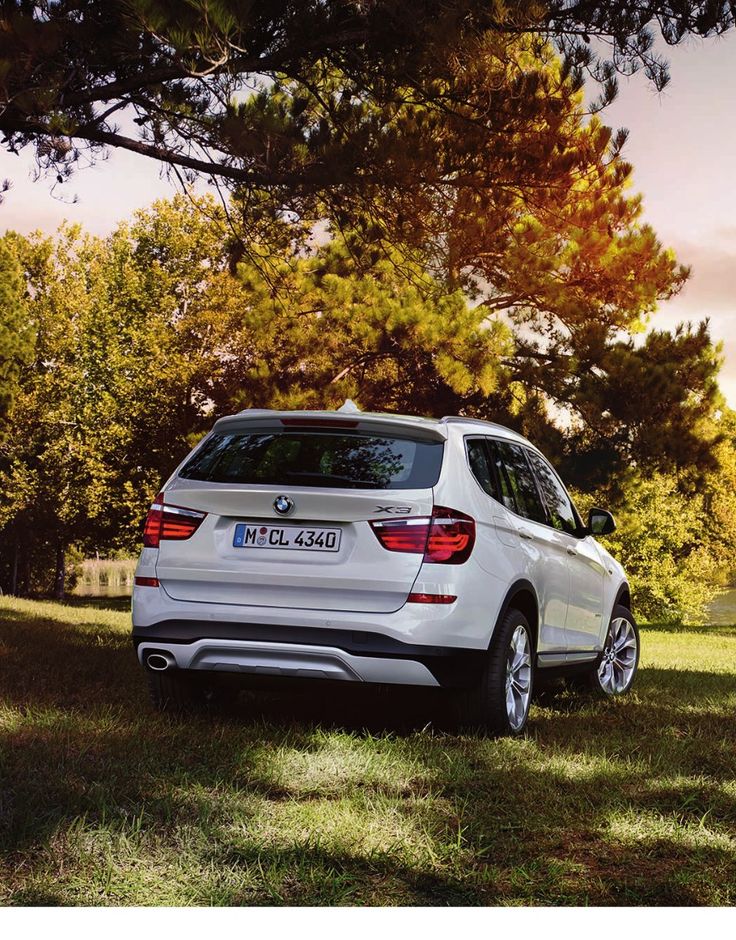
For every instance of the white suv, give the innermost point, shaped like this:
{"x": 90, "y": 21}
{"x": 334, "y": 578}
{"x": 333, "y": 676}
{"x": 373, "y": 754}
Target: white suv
{"x": 377, "y": 548}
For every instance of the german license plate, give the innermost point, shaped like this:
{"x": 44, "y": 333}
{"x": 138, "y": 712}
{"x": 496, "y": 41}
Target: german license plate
{"x": 296, "y": 538}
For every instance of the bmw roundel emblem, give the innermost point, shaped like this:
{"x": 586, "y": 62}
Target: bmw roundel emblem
{"x": 283, "y": 505}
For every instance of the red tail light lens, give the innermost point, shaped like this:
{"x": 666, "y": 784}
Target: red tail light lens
{"x": 405, "y": 535}
{"x": 431, "y": 598}
{"x": 169, "y": 522}
{"x": 451, "y": 537}
{"x": 446, "y": 537}
{"x": 147, "y": 582}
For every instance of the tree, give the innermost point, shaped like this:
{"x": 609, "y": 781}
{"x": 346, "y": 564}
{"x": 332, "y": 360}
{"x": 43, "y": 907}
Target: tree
{"x": 334, "y": 327}
{"x": 650, "y": 404}
{"x": 16, "y": 336}
{"x": 455, "y": 141}
{"x": 147, "y": 336}
{"x": 676, "y": 531}
{"x": 173, "y": 79}
{"x": 130, "y": 331}
{"x": 668, "y": 553}
{"x": 54, "y": 466}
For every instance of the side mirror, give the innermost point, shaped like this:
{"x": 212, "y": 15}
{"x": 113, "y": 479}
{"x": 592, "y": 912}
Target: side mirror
{"x": 601, "y": 522}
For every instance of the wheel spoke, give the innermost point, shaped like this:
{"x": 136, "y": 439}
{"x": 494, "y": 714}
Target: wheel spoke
{"x": 624, "y": 639}
{"x": 518, "y": 677}
{"x": 607, "y": 675}
{"x": 510, "y": 704}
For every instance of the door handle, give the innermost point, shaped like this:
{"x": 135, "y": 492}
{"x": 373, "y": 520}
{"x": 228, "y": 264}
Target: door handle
{"x": 525, "y": 534}
{"x": 570, "y": 550}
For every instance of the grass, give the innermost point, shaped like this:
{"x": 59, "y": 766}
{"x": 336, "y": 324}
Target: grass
{"x": 106, "y": 576}
{"x": 281, "y": 802}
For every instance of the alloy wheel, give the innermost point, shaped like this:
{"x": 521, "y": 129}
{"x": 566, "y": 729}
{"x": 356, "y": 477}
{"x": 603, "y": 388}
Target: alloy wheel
{"x": 617, "y": 667}
{"x": 518, "y": 677}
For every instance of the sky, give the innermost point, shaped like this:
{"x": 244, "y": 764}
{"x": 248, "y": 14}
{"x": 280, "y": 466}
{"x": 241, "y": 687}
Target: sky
{"x": 682, "y": 144}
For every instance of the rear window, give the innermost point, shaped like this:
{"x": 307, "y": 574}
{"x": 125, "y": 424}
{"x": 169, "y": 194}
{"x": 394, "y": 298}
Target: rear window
{"x": 310, "y": 458}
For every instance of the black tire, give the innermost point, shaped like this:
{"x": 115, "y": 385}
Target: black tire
{"x": 483, "y": 707}
{"x": 178, "y": 691}
{"x": 593, "y": 681}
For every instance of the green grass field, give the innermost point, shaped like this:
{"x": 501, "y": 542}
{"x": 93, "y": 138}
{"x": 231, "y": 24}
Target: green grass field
{"x": 343, "y": 797}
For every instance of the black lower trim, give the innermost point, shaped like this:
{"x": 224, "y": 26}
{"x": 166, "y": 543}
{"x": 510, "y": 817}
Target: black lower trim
{"x": 451, "y": 667}
{"x": 551, "y": 659}
{"x": 553, "y": 666}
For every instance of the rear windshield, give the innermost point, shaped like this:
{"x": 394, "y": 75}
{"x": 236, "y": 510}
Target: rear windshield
{"x": 317, "y": 458}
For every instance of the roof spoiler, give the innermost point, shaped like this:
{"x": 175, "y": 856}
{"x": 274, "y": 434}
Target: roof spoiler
{"x": 262, "y": 419}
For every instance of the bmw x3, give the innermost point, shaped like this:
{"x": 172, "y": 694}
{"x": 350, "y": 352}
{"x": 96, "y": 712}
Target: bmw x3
{"x": 378, "y": 548}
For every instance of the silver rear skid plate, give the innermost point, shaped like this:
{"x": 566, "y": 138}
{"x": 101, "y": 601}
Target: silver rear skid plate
{"x": 289, "y": 659}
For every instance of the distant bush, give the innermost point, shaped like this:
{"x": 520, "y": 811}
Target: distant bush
{"x": 667, "y": 547}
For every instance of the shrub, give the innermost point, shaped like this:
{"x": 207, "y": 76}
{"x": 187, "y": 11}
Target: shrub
{"x": 663, "y": 543}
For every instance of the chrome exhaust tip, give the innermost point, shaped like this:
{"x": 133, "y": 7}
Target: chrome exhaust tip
{"x": 160, "y": 661}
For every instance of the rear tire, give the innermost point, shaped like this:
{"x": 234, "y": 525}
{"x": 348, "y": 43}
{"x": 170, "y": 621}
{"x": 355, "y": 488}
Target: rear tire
{"x": 499, "y": 703}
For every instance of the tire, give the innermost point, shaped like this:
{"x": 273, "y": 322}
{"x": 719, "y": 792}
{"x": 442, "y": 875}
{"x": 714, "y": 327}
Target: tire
{"x": 497, "y": 705}
{"x": 614, "y": 674}
{"x": 178, "y": 691}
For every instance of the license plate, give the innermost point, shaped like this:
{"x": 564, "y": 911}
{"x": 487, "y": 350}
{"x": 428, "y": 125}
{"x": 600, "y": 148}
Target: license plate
{"x": 297, "y": 538}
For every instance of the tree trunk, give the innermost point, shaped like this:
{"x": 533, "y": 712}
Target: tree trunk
{"x": 60, "y": 574}
{"x": 25, "y": 568}
{"x": 14, "y": 570}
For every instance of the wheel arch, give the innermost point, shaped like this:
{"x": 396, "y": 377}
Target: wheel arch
{"x": 623, "y": 597}
{"x": 521, "y": 596}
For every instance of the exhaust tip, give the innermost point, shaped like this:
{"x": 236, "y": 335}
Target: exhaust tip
{"x": 160, "y": 661}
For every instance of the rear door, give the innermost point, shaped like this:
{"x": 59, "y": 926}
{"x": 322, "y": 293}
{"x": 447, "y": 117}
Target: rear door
{"x": 321, "y": 553}
{"x": 585, "y": 607}
{"x": 546, "y": 558}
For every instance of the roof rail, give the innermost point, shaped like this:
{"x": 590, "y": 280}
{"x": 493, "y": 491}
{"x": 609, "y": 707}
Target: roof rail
{"x": 455, "y": 419}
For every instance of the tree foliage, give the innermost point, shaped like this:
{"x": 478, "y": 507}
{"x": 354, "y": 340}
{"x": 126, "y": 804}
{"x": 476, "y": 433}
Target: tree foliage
{"x": 327, "y": 332}
{"x": 126, "y": 350}
{"x": 448, "y": 139}
{"x": 675, "y": 539}
{"x": 16, "y": 335}
{"x": 146, "y": 336}
{"x": 310, "y": 103}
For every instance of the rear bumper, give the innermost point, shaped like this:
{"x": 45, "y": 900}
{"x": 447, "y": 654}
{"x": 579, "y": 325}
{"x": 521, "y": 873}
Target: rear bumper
{"x": 307, "y": 652}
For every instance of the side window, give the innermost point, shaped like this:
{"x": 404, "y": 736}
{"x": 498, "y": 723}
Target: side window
{"x": 561, "y": 512}
{"x": 506, "y": 494}
{"x": 478, "y": 460}
{"x": 520, "y": 480}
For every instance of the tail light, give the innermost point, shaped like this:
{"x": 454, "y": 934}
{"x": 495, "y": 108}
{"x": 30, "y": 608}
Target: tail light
{"x": 146, "y": 582}
{"x": 431, "y": 598}
{"x": 169, "y": 522}
{"x": 446, "y": 537}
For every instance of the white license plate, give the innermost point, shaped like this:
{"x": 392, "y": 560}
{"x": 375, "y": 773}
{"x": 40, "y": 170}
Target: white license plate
{"x": 297, "y": 538}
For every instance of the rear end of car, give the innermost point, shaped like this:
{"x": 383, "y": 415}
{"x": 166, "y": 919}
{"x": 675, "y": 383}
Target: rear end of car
{"x": 311, "y": 545}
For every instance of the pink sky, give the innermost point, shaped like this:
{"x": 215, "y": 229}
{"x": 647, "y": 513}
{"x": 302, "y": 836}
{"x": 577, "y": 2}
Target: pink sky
{"x": 682, "y": 144}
